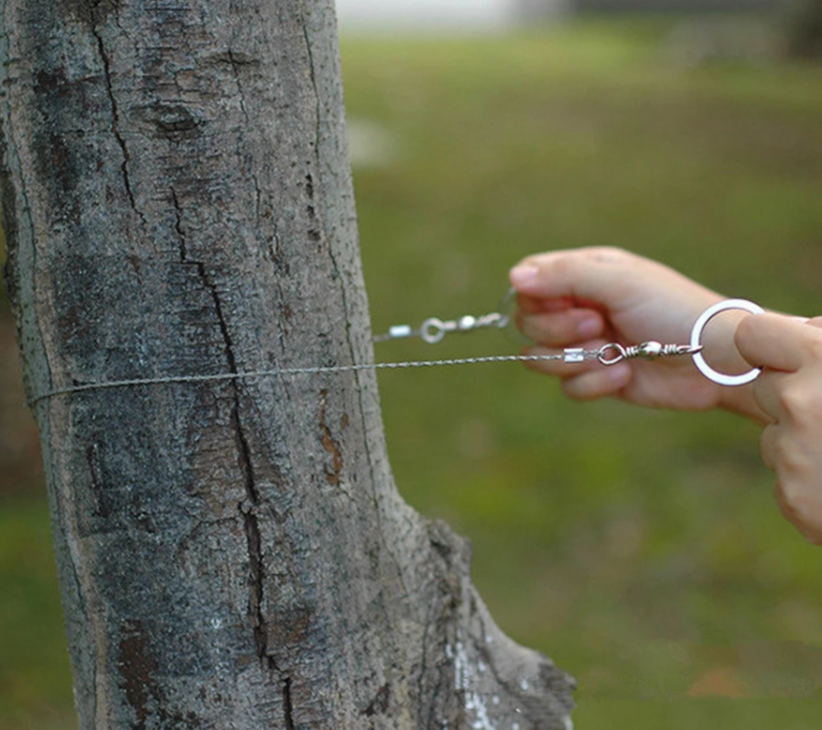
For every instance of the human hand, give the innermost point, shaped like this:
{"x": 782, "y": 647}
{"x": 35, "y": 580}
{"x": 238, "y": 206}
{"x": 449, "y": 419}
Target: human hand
{"x": 789, "y": 392}
{"x": 590, "y": 296}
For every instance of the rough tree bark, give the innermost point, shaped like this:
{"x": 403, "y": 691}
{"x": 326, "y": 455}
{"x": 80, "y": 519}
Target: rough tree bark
{"x": 232, "y": 554}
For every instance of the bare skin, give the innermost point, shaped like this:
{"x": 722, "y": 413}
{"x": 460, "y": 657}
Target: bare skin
{"x": 588, "y": 297}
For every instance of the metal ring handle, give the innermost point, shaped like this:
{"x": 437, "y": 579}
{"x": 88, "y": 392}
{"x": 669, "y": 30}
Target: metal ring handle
{"x": 696, "y": 342}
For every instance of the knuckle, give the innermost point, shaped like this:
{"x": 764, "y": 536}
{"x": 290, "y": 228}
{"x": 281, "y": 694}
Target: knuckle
{"x": 814, "y": 346}
{"x": 789, "y": 461}
{"x": 798, "y": 402}
{"x": 798, "y": 507}
{"x": 785, "y": 453}
{"x": 790, "y": 400}
{"x": 608, "y": 254}
{"x": 768, "y": 447}
{"x": 790, "y": 501}
{"x": 783, "y": 458}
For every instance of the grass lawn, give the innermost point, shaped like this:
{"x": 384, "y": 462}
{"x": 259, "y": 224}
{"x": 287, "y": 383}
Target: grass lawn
{"x": 642, "y": 550}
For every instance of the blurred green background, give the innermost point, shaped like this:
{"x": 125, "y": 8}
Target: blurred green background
{"x": 642, "y": 550}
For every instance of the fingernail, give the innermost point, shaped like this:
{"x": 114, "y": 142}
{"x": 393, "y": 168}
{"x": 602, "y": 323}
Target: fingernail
{"x": 523, "y": 276}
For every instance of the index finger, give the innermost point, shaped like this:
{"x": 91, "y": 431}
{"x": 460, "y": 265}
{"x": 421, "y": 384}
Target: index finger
{"x": 589, "y": 274}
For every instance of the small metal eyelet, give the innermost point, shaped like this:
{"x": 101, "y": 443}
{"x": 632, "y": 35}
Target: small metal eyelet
{"x": 432, "y": 330}
{"x": 602, "y": 354}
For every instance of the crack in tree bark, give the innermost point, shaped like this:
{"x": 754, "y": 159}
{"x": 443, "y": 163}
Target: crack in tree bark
{"x": 288, "y": 707}
{"x": 244, "y": 455}
{"x": 221, "y": 323}
{"x": 236, "y": 62}
{"x": 250, "y": 521}
{"x": 252, "y": 533}
{"x": 115, "y": 113}
{"x": 313, "y": 77}
{"x": 178, "y": 226}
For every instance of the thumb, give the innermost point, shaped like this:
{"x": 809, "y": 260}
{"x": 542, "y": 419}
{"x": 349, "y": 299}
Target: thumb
{"x": 774, "y": 341}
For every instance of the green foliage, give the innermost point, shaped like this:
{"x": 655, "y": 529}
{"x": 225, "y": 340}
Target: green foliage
{"x": 642, "y": 550}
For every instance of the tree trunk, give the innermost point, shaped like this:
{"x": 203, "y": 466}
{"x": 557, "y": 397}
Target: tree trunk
{"x": 232, "y": 554}
{"x": 804, "y": 29}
